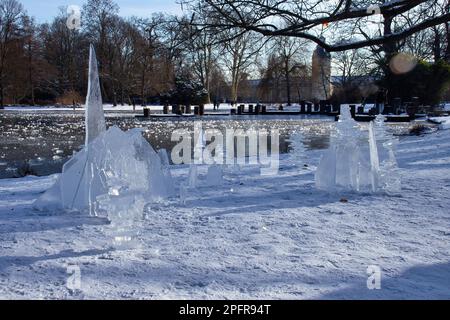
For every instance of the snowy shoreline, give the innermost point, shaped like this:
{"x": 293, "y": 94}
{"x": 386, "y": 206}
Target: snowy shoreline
{"x": 253, "y": 238}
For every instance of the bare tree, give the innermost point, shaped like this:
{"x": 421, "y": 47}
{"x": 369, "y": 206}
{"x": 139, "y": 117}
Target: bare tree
{"x": 204, "y": 52}
{"x": 290, "y": 51}
{"x": 98, "y": 20}
{"x": 240, "y": 53}
{"x": 351, "y": 63}
{"x": 11, "y": 13}
{"x": 271, "y": 76}
{"x": 124, "y": 37}
{"x": 65, "y": 51}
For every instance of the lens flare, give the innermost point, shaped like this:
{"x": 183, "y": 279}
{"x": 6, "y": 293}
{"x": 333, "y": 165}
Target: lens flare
{"x": 402, "y": 63}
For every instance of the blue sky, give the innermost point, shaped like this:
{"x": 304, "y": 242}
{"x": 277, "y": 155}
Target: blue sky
{"x": 47, "y": 9}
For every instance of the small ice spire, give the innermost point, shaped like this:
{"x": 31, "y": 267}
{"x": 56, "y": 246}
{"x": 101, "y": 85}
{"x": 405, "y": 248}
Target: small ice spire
{"x": 95, "y": 118}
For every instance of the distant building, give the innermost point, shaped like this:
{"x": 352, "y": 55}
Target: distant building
{"x": 321, "y": 88}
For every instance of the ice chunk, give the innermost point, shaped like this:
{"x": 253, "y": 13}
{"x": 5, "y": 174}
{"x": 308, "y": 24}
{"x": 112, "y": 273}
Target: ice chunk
{"x": 214, "y": 177}
{"x": 51, "y": 199}
{"x": 165, "y": 162}
{"x": 200, "y": 143}
{"x": 390, "y": 181}
{"x": 193, "y": 176}
{"x": 183, "y": 194}
{"x": 357, "y": 161}
{"x": 124, "y": 212}
{"x": 163, "y": 155}
{"x": 374, "y": 158}
{"x": 326, "y": 172}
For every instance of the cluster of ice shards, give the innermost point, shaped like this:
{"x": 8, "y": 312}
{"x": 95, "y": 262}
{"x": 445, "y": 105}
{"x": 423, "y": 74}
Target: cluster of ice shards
{"x": 357, "y": 160}
{"x": 116, "y": 164}
{"x": 214, "y": 176}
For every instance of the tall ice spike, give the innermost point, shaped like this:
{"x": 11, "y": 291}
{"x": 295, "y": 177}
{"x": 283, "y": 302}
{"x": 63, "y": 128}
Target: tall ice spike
{"x": 95, "y": 118}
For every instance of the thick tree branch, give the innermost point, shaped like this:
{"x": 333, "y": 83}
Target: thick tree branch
{"x": 302, "y": 20}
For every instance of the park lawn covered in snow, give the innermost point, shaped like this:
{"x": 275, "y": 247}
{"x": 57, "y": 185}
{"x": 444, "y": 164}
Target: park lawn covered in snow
{"x": 254, "y": 238}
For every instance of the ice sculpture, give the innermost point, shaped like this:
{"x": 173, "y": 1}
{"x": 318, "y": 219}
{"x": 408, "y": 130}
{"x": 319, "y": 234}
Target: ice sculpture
{"x": 199, "y": 147}
{"x": 124, "y": 213}
{"x": 121, "y": 163}
{"x": 389, "y": 176}
{"x": 338, "y": 167}
{"x": 357, "y": 161}
{"x": 115, "y": 167}
{"x": 297, "y": 155}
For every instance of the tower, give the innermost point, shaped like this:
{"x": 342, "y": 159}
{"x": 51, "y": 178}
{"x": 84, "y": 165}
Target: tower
{"x": 321, "y": 74}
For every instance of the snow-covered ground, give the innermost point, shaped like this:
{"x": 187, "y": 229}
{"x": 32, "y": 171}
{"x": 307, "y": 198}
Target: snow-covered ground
{"x": 254, "y": 238}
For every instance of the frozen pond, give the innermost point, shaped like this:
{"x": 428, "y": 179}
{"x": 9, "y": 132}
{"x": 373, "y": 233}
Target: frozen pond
{"x": 45, "y": 139}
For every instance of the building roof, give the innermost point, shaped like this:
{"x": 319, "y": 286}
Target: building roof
{"x": 321, "y": 52}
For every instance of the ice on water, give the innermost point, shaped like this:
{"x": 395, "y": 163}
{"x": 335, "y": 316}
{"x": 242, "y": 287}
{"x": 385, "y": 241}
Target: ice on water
{"x": 358, "y": 160}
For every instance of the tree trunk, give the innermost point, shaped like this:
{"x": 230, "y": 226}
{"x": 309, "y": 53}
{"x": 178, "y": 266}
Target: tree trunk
{"x": 30, "y": 73}
{"x": 2, "y": 103}
{"x": 288, "y": 82}
{"x": 122, "y": 95}
{"x": 143, "y": 88}
{"x": 437, "y": 45}
{"x": 447, "y": 31}
{"x": 389, "y": 52}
